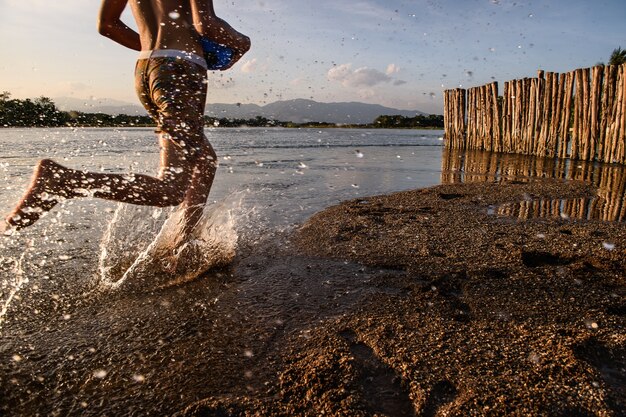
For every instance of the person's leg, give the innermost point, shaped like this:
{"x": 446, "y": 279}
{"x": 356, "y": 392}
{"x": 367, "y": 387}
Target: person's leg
{"x": 180, "y": 104}
{"x": 52, "y": 181}
{"x": 201, "y": 181}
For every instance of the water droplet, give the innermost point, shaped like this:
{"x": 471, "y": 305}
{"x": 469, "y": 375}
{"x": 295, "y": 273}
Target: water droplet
{"x": 139, "y": 378}
{"x": 100, "y": 373}
{"x": 248, "y": 353}
{"x": 16, "y": 358}
{"x": 608, "y": 246}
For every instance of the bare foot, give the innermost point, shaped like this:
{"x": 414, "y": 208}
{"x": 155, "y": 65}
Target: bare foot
{"x": 188, "y": 254}
{"x": 42, "y": 195}
{"x": 6, "y": 229}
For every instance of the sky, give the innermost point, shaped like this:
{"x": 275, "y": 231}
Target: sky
{"x": 400, "y": 54}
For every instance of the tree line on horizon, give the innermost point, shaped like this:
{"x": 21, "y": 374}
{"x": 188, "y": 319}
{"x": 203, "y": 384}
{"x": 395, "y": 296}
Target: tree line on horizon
{"x": 42, "y": 112}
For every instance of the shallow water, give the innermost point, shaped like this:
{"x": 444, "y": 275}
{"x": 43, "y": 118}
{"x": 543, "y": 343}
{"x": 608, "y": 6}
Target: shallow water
{"x": 90, "y": 326}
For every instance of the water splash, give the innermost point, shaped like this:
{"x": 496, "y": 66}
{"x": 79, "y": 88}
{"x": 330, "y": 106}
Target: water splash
{"x": 19, "y": 279}
{"x": 144, "y": 248}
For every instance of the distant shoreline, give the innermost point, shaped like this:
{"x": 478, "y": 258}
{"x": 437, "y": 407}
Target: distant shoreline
{"x": 145, "y": 126}
{"x": 43, "y": 112}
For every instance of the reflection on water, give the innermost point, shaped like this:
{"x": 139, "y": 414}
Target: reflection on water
{"x": 460, "y": 166}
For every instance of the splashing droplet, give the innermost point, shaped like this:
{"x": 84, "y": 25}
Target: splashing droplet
{"x": 608, "y": 246}
{"x": 100, "y": 373}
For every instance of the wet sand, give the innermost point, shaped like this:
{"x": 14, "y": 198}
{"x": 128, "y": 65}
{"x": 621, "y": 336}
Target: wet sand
{"x": 471, "y": 299}
{"x": 471, "y": 313}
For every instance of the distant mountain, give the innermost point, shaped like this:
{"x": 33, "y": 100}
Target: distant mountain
{"x": 301, "y": 111}
{"x": 298, "y": 111}
{"x": 104, "y": 105}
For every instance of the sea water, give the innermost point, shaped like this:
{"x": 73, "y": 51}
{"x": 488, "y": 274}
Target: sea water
{"x": 268, "y": 180}
{"x": 291, "y": 172}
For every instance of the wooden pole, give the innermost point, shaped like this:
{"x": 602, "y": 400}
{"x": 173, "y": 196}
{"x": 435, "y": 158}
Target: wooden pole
{"x": 531, "y": 116}
{"x": 552, "y": 132}
{"x": 613, "y": 126}
{"x": 506, "y": 120}
{"x": 461, "y": 123}
{"x": 565, "y": 115}
{"x": 585, "y": 137}
{"x": 605, "y": 106}
{"x": 576, "y": 129}
{"x": 542, "y": 121}
{"x": 496, "y": 123}
{"x": 621, "y": 131}
{"x": 595, "y": 111}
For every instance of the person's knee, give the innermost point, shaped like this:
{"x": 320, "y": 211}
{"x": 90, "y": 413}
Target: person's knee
{"x": 176, "y": 181}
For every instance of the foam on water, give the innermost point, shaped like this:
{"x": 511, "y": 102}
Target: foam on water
{"x": 145, "y": 249}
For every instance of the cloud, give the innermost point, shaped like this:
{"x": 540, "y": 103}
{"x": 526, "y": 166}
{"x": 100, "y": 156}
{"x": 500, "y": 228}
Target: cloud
{"x": 366, "y": 94}
{"x": 366, "y": 9}
{"x": 296, "y": 82}
{"x": 249, "y": 66}
{"x": 73, "y": 86}
{"x": 392, "y": 69}
{"x": 360, "y": 77}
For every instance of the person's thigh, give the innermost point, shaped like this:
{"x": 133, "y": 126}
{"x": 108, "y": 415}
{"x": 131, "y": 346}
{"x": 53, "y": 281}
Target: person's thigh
{"x": 178, "y": 89}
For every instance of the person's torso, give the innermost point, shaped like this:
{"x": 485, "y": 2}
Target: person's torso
{"x": 166, "y": 24}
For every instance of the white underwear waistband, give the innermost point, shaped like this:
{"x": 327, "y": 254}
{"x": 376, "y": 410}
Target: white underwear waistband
{"x": 174, "y": 53}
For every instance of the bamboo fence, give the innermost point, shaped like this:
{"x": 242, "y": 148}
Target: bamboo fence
{"x": 579, "y": 115}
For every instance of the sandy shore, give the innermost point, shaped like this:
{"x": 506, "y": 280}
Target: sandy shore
{"x": 487, "y": 299}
